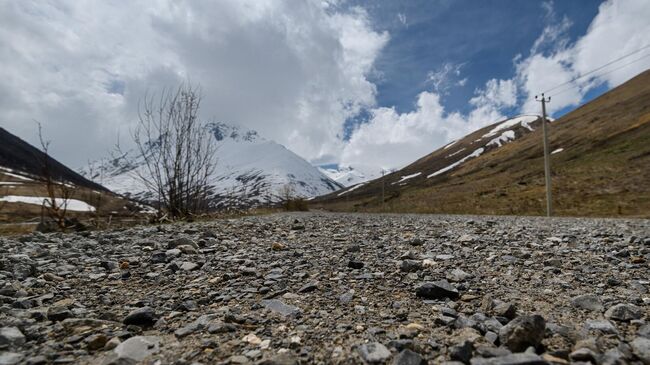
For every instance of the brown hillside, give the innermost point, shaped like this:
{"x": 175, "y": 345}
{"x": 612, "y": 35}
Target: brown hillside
{"x": 603, "y": 170}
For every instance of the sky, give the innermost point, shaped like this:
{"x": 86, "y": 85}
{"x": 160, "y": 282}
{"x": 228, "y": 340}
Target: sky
{"x": 350, "y": 83}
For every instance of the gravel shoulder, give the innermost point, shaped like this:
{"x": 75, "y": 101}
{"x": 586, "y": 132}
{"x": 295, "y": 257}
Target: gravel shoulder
{"x": 329, "y": 288}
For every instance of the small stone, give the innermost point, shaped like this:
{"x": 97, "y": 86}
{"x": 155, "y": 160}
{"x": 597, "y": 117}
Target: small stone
{"x": 277, "y": 246}
{"x": 411, "y": 266}
{"x": 10, "y": 358}
{"x": 252, "y": 339}
{"x": 11, "y": 337}
{"x": 96, "y": 341}
{"x": 583, "y": 354}
{"x": 112, "y": 343}
{"x": 135, "y": 349}
{"x": 506, "y": 310}
{"x": 603, "y": 326}
{"x": 143, "y": 317}
{"x": 440, "y": 289}
{"x": 58, "y": 313}
{"x": 36, "y": 360}
{"x": 374, "y": 352}
{"x": 309, "y": 287}
{"x": 278, "y": 306}
{"x": 522, "y": 332}
{"x": 462, "y": 352}
{"x": 458, "y": 275}
{"x": 408, "y": 357}
{"x": 189, "y": 266}
{"x": 355, "y": 264}
{"x": 624, "y": 312}
{"x": 513, "y": 359}
{"x": 589, "y": 302}
{"x": 641, "y": 348}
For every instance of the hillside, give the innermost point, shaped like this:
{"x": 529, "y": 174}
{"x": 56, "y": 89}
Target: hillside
{"x": 251, "y": 171}
{"x": 23, "y": 187}
{"x": 600, "y": 165}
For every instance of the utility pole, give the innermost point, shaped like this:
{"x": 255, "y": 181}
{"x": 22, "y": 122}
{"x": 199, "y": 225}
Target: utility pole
{"x": 547, "y": 159}
{"x": 382, "y": 188}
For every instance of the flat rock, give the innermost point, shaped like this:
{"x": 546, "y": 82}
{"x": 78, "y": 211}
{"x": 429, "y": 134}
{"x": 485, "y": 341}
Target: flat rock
{"x": 278, "y": 306}
{"x": 374, "y": 352}
{"x": 440, "y": 289}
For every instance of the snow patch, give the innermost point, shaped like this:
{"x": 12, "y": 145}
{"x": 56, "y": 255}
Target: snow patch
{"x": 505, "y": 137}
{"x": 406, "y": 177}
{"x": 457, "y": 152}
{"x": 557, "y": 151}
{"x": 524, "y": 120}
{"x": 476, "y": 153}
{"x": 70, "y": 204}
{"x": 450, "y": 144}
{"x": 355, "y": 187}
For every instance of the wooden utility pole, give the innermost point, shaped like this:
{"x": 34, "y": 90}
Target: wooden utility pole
{"x": 547, "y": 158}
{"x": 382, "y": 189}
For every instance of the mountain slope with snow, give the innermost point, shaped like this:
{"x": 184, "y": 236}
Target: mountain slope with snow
{"x": 353, "y": 175}
{"x": 251, "y": 171}
{"x": 600, "y": 158}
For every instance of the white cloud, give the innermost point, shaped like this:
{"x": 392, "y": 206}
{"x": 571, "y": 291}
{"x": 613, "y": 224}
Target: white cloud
{"x": 444, "y": 78}
{"x": 619, "y": 28}
{"x": 394, "y": 140}
{"x": 295, "y": 71}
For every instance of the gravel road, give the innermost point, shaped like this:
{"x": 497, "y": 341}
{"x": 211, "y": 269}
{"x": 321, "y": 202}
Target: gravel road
{"x": 320, "y": 288}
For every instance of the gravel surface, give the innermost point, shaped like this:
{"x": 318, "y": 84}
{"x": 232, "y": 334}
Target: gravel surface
{"x": 331, "y": 288}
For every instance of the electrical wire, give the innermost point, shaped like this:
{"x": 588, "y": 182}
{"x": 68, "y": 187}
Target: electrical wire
{"x": 572, "y": 86}
{"x": 598, "y": 68}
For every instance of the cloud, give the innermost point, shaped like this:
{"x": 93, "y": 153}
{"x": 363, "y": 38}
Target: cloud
{"x": 445, "y": 77}
{"x": 620, "y": 27}
{"x": 392, "y": 140}
{"x": 295, "y": 71}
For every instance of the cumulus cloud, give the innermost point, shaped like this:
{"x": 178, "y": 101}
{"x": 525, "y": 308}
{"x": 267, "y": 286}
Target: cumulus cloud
{"x": 295, "y": 71}
{"x": 620, "y": 27}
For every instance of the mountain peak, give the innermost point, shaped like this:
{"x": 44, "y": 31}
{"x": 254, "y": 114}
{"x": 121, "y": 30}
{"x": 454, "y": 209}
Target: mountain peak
{"x": 223, "y": 131}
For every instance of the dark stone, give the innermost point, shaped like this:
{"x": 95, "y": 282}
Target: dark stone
{"x": 522, "y": 332}
{"x": 143, "y": 317}
{"x": 408, "y": 357}
{"x": 355, "y": 264}
{"x": 440, "y": 289}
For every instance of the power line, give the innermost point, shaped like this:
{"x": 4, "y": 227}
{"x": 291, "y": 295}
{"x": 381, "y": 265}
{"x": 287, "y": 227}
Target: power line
{"x": 598, "y": 68}
{"x": 572, "y": 86}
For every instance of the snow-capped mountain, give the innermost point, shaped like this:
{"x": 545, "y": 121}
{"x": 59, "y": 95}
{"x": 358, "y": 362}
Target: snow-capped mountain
{"x": 352, "y": 175}
{"x": 251, "y": 171}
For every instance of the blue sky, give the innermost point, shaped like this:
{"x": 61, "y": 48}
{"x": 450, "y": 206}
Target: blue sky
{"x": 481, "y": 36}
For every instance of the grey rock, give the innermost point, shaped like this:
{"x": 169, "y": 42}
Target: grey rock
{"x": 135, "y": 349}
{"x": 278, "y": 306}
{"x": 624, "y": 312}
{"x": 440, "y": 289}
{"x": 11, "y": 337}
{"x": 462, "y": 352}
{"x": 144, "y": 317}
{"x": 522, "y": 332}
{"x": 410, "y": 266}
{"x": 588, "y": 301}
{"x": 603, "y": 326}
{"x": 408, "y": 357}
{"x": 458, "y": 275}
{"x": 513, "y": 359}
{"x": 10, "y": 358}
{"x": 373, "y": 352}
{"x": 189, "y": 266}
{"x": 641, "y": 348}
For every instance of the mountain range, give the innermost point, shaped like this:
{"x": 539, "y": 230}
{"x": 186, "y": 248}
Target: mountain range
{"x": 251, "y": 171}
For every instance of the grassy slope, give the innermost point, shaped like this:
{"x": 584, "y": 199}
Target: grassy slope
{"x": 604, "y": 169}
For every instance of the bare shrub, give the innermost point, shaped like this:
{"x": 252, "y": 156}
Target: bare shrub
{"x": 177, "y": 149}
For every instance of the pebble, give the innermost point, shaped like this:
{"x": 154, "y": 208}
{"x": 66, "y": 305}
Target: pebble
{"x": 374, "y": 353}
{"x": 440, "y": 289}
